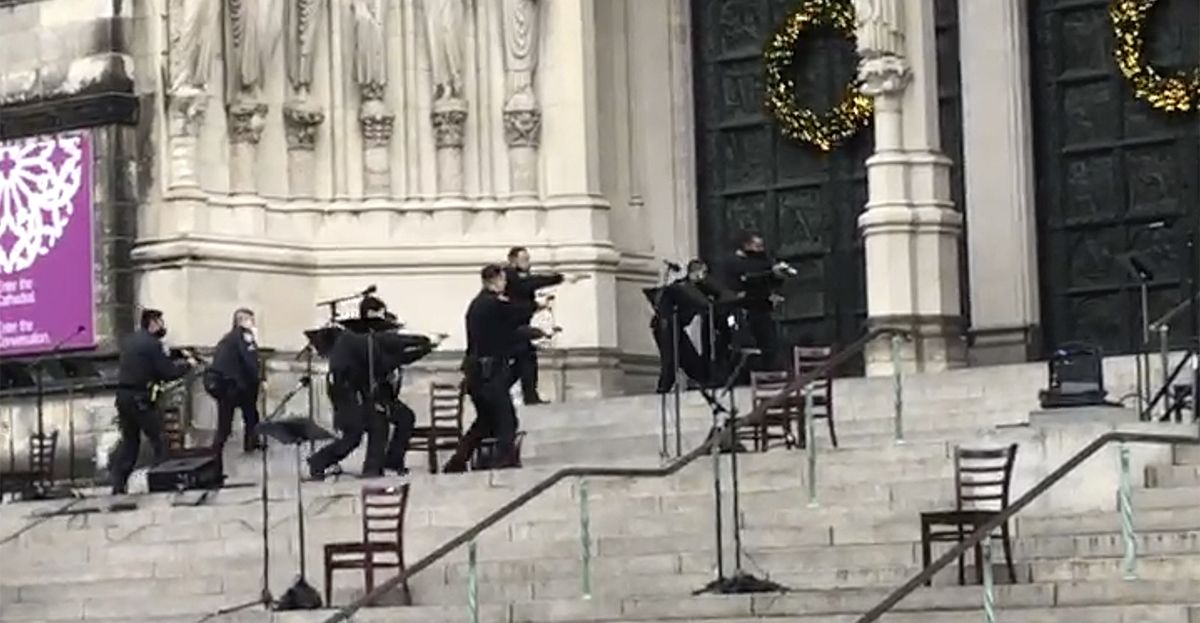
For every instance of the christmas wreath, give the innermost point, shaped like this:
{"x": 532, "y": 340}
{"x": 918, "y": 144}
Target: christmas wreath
{"x": 824, "y": 130}
{"x": 1177, "y": 92}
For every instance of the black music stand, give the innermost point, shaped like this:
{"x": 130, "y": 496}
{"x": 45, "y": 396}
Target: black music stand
{"x": 294, "y": 431}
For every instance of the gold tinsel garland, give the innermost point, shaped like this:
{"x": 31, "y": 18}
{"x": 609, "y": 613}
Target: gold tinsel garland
{"x": 851, "y": 114}
{"x": 1178, "y": 92}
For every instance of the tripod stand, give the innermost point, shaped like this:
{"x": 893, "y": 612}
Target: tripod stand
{"x": 740, "y": 581}
{"x": 265, "y": 597}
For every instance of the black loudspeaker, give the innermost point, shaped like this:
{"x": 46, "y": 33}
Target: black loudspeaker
{"x": 1076, "y": 378}
{"x": 194, "y": 472}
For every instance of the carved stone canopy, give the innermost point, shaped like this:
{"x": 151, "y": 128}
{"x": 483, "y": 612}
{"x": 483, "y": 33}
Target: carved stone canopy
{"x": 246, "y": 122}
{"x": 449, "y": 124}
{"x": 884, "y": 75}
{"x": 301, "y": 124}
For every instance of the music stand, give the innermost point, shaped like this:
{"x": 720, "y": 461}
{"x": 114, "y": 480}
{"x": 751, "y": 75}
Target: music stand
{"x": 294, "y": 431}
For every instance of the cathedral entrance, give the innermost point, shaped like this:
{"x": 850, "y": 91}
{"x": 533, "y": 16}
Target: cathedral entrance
{"x": 1116, "y": 180}
{"x": 806, "y": 203}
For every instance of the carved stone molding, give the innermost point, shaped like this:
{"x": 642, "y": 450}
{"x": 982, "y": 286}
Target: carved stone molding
{"x": 301, "y": 20}
{"x": 301, "y": 124}
{"x": 376, "y": 123}
{"x": 884, "y": 75}
{"x": 246, "y": 122}
{"x": 449, "y": 124}
{"x": 523, "y": 128}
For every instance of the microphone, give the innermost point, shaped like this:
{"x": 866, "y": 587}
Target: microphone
{"x": 371, "y": 289}
{"x": 672, "y": 265}
{"x": 305, "y": 381}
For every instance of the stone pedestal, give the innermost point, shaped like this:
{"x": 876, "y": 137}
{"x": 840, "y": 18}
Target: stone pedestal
{"x": 301, "y": 121}
{"x": 187, "y": 110}
{"x": 449, "y": 125}
{"x": 910, "y": 228}
{"x": 246, "y": 122}
{"x": 376, "y": 123}
{"x": 522, "y": 132}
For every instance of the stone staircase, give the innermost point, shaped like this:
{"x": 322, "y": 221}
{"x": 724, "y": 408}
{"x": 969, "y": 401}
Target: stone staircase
{"x": 652, "y": 540}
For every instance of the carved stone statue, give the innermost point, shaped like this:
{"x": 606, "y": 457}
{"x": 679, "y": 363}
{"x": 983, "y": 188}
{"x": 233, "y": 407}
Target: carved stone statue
{"x": 520, "y": 43}
{"x": 880, "y": 26}
{"x": 301, "y": 18}
{"x": 370, "y": 47}
{"x": 247, "y": 44}
{"x": 445, "y": 26}
{"x": 196, "y": 46}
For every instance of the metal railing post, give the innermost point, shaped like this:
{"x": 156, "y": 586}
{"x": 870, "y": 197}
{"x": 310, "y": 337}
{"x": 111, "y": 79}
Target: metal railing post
{"x": 585, "y": 539}
{"x": 1164, "y": 331}
{"x": 989, "y": 583}
{"x": 810, "y": 446}
{"x": 472, "y": 583}
{"x": 1125, "y": 501}
{"x": 898, "y": 385}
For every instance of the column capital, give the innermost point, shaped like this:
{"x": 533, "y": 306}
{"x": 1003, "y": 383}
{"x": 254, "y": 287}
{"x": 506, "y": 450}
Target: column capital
{"x": 246, "y": 121}
{"x": 376, "y": 123}
{"x": 883, "y": 75}
{"x": 449, "y": 123}
{"x": 301, "y": 121}
{"x": 189, "y": 106}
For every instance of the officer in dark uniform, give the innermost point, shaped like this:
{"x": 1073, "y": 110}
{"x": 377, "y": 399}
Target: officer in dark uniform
{"x": 522, "y": 289}
{"x": 233, "y": 380}
{"x": 356, "y": 395}
{"x": 496, "y": 328}
{"x": 408, "y": 349}
{"x": 754, "y": 276}
{"x": 676, "y": 306}
{"x": 143, "y": 363}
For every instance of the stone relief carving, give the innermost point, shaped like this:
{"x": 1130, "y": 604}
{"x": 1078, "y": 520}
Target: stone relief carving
{"x": 449, "y": 127}
{"x": 301, "y": 18}
{"x": 301, "y": 126}
{"x": 880, "y": 26}
{"x": 445, "y": 27}
{"x": 521, "y": 43}
{"x": 376, "y": 127}
{"x": 246, "y": 121}
{"x": 884, "y": 75}
{"x": 522, "y": 128}
{"x": 196, "y": 43}
{"x": 188, "y": 108}
{"x": 250, "y": 36}
{"x": 370, "y": 47}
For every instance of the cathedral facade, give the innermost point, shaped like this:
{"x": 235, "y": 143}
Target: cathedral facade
{"x": 277, "y": 153}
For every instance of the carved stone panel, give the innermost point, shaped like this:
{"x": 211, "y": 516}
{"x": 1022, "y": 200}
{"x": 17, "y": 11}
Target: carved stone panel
{"x": 1114, "y": 177}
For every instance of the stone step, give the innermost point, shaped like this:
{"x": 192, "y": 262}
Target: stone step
{"x": 1169, "y": 476}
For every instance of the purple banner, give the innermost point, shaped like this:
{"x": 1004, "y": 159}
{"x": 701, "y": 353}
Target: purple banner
{"x": 46, "y": 286}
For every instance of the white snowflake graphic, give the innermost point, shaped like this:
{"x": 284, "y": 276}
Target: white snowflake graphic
{"x": 38, "y": 179}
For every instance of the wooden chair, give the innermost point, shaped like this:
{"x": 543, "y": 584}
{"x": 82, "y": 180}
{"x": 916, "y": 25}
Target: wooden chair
{"x": 806, "y": 359}
{"x": 36, "y": 481}
{"x": 383, "y": 510}
{"x": 777, "y": 424}
{"x": 445, "y": 423}
{"x": 981, "y": 487}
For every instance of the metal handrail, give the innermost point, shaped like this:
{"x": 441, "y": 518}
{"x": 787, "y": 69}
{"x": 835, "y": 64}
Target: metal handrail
{"x": 1002, "y": 517}
{"x": 704, "y": 449}
{"x": 1166, "y": 318}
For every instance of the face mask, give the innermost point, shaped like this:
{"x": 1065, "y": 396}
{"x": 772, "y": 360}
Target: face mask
{"x": 160, "y": 333}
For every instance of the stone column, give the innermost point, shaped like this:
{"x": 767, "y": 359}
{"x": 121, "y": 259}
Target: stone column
{"x": 449, "y": 126}
{"x": 999, "y": 181}
{"x": 246, "y": 121}
{"x": 376, "y": 123}
{"x": 910, "y": 227}
{"x": 301, "y": 121}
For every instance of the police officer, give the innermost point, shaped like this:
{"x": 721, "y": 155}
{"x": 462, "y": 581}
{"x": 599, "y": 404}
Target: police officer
{"x": 143, "y": 363}
{"x": 676, "y": 306}
{"x": 753, "y": 276}
{"x": 233, "y": 381}
{"x": 496, "y": 328}
{"x": 521, "y": 289}
{"x": 409, "y": 349}
{"x": 355, "y": 394}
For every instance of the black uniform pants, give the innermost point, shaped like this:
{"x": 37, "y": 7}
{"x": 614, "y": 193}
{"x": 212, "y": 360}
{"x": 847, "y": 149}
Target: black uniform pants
{"x": 354, "y": 418}
{"x": 487, "y": 385}
{"x": 136, "y": 416}
{"x": 525, "y": 364}
{"x": 229, "y": 398}
{"x": 402, "y": 420}
{"x": 689, "y": 360}
{"x": 761, "y": 328}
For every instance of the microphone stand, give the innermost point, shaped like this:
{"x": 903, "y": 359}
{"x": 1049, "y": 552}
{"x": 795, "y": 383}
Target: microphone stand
{"x": 265, "y": 598}
{"x": 741, "y": 581}
{"x": 663, "y": 283}
{"x": 38, "y": 366}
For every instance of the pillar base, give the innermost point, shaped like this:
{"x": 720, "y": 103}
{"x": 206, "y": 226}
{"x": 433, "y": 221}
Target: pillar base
{"x": 937, "y": 344}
